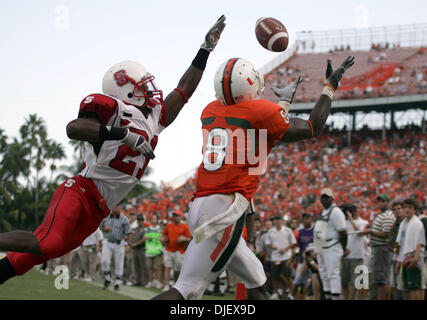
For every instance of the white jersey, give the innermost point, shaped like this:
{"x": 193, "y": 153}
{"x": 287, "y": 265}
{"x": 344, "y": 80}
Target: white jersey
{"x": 114, "y": 167}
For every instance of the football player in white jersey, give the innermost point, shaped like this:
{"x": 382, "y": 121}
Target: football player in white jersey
{"x": 121, "y": 128}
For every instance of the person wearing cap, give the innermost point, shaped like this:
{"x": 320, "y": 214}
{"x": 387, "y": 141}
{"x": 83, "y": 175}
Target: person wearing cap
{"x": 175, "y": 236}
{"x": 334, "y": 246}
{"x": 381, "y": 254}
{"x": 356, "y": 248}
{"x": 311, "y": 264}
{"x": 305, "y": 237}
{"x": 138, "y": 252}
{"x": 282, "y": 242}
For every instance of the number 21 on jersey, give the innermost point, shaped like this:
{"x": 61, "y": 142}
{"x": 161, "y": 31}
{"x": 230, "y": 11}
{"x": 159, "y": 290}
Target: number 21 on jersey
{"x": 124, "y": 165}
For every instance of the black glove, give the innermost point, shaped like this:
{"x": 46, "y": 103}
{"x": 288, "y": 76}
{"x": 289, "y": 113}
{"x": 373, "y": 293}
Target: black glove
{"x": 333, "y": 77}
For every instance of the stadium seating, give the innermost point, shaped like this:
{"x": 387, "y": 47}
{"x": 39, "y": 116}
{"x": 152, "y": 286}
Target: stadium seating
{"x": 407, "y": 67}
{"x": 298, "y": 171}
{"x": 360, "y": 171}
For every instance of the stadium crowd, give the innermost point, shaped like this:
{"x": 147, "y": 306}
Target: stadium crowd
{"x": 368, "y": 171}
{"x": 382, "y": 71}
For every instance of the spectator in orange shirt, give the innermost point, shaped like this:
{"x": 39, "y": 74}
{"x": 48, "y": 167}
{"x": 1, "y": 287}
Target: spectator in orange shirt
{"x": 176, "y": 237}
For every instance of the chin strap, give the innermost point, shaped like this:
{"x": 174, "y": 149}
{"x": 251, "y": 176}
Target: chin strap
{"x": 151, "y": 102}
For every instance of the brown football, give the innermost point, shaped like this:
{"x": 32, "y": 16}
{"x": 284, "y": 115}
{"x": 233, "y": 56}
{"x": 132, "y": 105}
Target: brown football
{"x": 271, "y": 34}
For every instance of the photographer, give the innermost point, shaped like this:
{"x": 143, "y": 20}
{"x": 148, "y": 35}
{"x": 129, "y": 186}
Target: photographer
{"x": 310, "y": 264}
{"x": 355, "y": 249}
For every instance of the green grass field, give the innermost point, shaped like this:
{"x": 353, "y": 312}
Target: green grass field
{"x": 35, "y": 285}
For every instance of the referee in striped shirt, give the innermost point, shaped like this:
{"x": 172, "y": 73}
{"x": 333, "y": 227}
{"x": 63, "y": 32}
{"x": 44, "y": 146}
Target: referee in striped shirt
{"x": 117, "y": 232}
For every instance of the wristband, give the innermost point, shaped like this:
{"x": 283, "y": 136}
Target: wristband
{"x": 111, "y": 133}
{"x": 201, "y": 59}
{"x": 285, "y": 105}
{"x": 328, "y": 91}
{"x": 183, "y": 95}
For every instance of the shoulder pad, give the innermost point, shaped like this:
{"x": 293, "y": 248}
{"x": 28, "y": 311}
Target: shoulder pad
{"x": 101, "y": 105}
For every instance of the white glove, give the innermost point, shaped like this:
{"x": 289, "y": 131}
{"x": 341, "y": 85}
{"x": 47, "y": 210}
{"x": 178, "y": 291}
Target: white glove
{"x": 138, "y": 143}
{"x": 212, "y": 37}
{"x": 286, "y": 94}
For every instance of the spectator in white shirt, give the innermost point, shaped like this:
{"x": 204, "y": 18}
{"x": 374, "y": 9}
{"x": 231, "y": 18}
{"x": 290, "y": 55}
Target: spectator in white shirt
{"x": 356, "y": 252}
{"x": 411, "y": 240}
{"x": 335, "y": 246}
{"x": 282, "y": 242}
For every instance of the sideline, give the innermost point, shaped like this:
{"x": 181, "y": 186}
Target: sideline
{"x": 130, "y": 291}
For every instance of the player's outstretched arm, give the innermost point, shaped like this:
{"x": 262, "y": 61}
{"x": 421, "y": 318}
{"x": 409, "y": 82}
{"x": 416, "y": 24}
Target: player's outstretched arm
{"x": 91, "y": 130}
{"x": 191, "y": 78}
{"x": 300, "y": 129}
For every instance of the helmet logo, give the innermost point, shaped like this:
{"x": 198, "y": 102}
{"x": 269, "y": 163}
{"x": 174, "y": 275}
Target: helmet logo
{"x": 121, "y": 78}
{"x": 250, "y": 81}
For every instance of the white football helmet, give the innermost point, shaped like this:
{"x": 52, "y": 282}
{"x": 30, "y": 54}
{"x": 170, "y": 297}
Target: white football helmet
{"x": 236, "y": 80}
{"x": 130, "y": 82}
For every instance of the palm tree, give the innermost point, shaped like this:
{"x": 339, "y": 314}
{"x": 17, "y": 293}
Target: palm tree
{"x": 34, "y": 137}
{"x": 54, "y": 152}
{"x": 13, "y": 165}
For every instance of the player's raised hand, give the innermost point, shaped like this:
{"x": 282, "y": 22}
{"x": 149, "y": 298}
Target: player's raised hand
{"x": 286, "y": 94}
{"x": 213, "y": 35}
{"x": 138, "y": 143}
{"x": 333, "y": 77}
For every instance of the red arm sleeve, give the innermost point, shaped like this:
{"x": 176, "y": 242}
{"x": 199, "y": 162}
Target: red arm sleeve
{"x": 100, "y": 106}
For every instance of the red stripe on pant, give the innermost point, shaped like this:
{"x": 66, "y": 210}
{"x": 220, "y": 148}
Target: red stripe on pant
{"x": 222, "y": 243}
{"x": 72, "y": 216}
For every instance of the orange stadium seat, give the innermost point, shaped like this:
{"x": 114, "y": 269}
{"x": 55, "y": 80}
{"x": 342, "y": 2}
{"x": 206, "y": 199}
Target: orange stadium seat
{"x": 406, "y": 67}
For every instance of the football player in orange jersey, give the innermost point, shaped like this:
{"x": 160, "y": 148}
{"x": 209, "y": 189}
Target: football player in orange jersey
{"x": 120, "y": 127}
{"x": 239, "y": 131}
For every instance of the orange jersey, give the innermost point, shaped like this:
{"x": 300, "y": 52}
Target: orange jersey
{"x": 173, "y": 231}
{"x": 236, "y": 141}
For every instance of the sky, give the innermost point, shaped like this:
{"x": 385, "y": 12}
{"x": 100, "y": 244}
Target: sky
{"x": 55, "y": 53}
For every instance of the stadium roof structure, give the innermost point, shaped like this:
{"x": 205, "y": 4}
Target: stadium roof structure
{"x": 382, "y": 104}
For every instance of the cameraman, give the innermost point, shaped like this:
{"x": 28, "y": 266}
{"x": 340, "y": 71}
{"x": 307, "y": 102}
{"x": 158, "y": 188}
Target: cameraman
{"x": 356, "y": 250}
{"x": 310, "y": 264}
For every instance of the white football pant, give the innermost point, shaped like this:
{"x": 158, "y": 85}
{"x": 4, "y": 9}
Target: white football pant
{"x": 205, "y": 260}
{"x": 329, "y": 269}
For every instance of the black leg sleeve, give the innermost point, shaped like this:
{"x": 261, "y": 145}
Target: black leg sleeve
{"x": 6, "y": 270}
